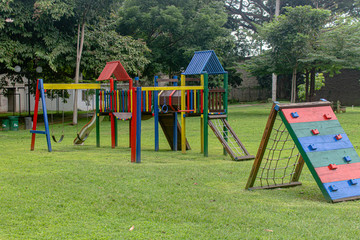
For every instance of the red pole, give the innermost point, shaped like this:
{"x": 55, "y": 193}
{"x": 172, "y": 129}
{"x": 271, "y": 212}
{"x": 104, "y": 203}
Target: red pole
{"x": 36, "y": 109}
{"x": 110, "y": 113}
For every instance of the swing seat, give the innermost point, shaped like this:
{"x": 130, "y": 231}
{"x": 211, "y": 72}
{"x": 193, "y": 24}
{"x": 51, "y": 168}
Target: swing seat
{"x": 60, "y": 139}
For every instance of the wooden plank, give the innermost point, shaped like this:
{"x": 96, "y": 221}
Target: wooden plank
{"x": 231, "y": 131}
{"x": 322, "y": 159}
{"x": 283, "y": 106}
{"x": 262, "y": 148}
{"x": 167, "y": 125}
{"x": 167, "y": 80}
{"x": 344, "y": 189}
{"x": 298, "y": 169}
{"x": 284, "y": 185}
{"x": 303, "y": 129}
{"x": 341, "y": 173}
{"x": 311, "y": 114}
{"x": 222, "y": 141}
{"x": 60, "y": 86}
{"x": 325, "y": 143}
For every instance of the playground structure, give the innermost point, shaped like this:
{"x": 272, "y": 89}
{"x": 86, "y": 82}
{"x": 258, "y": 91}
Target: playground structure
{"x": 163, "y": 103}
{"x": 310, "y": 133}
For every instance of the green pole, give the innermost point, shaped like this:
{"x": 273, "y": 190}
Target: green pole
{"x": 206, "y": 110}
{"x": 115, "y": 120}
{"x": 97, "y": 94}
{"x": 225, "y": 100}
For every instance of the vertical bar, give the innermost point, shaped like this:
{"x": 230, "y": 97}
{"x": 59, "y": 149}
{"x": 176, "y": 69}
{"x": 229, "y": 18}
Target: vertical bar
{"x": 225, "y": 100}
{"x": 183, "y": 132}
{"x": 138, "y": 126}
{"x": 206, "y": 110}
{"x": 262, "y": 147}
{"x": 202, "y": 133}
{"x": 132, "y": 112}
{"x": 97, "y": 112}
{"x": 115, "y": 120}
{"x": 36, "y": 109}
{"x": 175, "y": 132}
{"x": 195, "y": 102}
{"x": 123, "y": 100}
{"x": 46, "y": 122}
{"x": 133, "y": 127}
{"x": 156, "y": 115}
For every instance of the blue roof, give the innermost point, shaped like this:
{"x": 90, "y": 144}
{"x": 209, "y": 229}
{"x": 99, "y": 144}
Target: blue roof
{"x": 204, "y": 61}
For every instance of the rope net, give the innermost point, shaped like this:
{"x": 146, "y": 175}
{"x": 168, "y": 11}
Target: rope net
{"x": 223, "y": 130}
{"x": 280, "y": 159}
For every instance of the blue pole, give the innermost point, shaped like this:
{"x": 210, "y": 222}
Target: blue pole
{"x": 46, "y": 122}
{"x": 138, "y": 125}
{"x": 156, "y": 115}
{"x": 175, "y": 137}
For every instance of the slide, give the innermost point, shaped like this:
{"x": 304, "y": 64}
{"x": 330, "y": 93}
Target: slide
{"x": 85, "y": 130}
{"x": 167, "y": 124}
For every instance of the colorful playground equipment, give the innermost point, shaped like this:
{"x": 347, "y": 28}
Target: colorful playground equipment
{"x": 310, "y": 133}
{"x": 163, "y": 103}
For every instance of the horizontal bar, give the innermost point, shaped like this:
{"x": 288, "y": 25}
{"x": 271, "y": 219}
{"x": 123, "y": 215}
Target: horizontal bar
{"x": 292, "y": 184}
{"x": 38, "y": 132}
{"x": 303, "y": 105}
{"x": 61, "y": 86}
{"x": 167, "y": 80}
{"x": 172, "y": 88}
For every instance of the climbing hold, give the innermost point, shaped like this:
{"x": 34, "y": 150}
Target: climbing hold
{"x": 312, "y": 147}
{"x": 338, "y": 137}
{"x": 353, "y": 181}
{"x": 294, "y": 114}
{"x": 327, "y": 116}
{"x": 315, "y": 131}
{"x": 332, "y": 166}
{"x": 347, "y": 159}
{"x": 333, "y": 188}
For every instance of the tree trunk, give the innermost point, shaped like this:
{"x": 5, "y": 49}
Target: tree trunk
{"x": 79, "y": 48}
{"x": 307, "y": 86}
{"x": 293, "y": 86}
{"x": 312, "y": 84}
{"x": 274, "y": 76}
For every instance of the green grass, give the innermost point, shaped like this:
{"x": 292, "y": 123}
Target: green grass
{"x": 84, "y": 192}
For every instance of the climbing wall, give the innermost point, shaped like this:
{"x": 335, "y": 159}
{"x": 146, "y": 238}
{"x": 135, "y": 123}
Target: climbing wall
{"x": 326, "y": 149}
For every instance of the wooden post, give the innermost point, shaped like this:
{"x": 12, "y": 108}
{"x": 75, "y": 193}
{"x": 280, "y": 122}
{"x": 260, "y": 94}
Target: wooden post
{"x": 225, "y": 100}
{"x": 262, "y": 148}
{"x": 206, "y": 110}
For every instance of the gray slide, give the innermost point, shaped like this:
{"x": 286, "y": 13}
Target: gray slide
{"x": 85, "y": 130}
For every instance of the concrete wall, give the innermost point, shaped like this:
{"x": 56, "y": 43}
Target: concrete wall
{"x": 344, "y": 87}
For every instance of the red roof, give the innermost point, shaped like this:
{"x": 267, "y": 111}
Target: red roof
{"x": 115, "y": 68}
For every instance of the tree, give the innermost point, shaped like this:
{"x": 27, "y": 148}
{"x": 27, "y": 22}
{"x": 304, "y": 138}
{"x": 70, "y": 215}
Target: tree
{"x": 291, "y": 37}
{"x": 44, "y": 33}
{"x": 173, "y": 30}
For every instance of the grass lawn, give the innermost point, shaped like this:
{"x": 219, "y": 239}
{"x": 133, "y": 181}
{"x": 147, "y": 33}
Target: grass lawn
{"x": 84, "y": 192}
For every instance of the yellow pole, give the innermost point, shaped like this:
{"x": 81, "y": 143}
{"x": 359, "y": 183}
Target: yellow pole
{"x": 147, "y": 100}
{"x": 117, "y": 101}
{"x": 183, "y": 135}
{"x": 194, "y": 101}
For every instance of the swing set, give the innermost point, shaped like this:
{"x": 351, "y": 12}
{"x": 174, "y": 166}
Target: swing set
{"x": 40, "y": 93}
